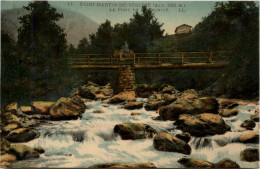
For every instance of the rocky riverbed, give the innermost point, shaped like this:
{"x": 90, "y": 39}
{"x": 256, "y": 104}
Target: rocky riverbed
{"x": 153, "y": 126}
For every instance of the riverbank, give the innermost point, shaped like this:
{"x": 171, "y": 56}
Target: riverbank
{"x": 154, "y": 124}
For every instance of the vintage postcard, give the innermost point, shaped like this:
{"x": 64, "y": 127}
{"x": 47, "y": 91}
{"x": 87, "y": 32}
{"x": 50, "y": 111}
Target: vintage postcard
{"x": 129, "y": 84}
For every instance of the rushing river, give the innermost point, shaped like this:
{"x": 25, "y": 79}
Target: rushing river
{"x": 90, "y": 140}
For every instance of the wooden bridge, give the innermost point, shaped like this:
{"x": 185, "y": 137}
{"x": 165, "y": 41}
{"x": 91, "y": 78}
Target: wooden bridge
{"x": 169, "y": 60}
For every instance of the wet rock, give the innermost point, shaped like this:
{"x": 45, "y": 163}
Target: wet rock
{"x": 22, "y": 151}
{"x": 168, "y": 98}
{"x": 195, "y": 163}
{"x": 39, "y": 150}
{"x": 227, "y": 163}
{"x": 133, "y": 131}
{"x": 128, "y": 96}
{"x": 249, "y": 138}
{"x": 190, "y": 91}
{"x": 155, "y": 97}
{"x": 26, "y": 109}
{"x": 11, "y": 107}
{"x": 250, "y": 155}
{"x": 133, "y": 105}
{"x": 98, "y": 111}
{"x": 9, "y": 127}
{"x": 5, "y": 145}
{"x": 153, "y": 105}
{"x": 190, "y": 96}
{"x": 4, "y": 164}
{"x": 168, "y": 89}
{"x": 8, "y": 117}
{"x": 156, "y": 118}
{"x": 22, "y": 135}
{"x": 255, "y": 117}
{"x": 143, "y": 91}
{"x": 26, "y": 122}
{"x": 202, "y": 124}
{"x": 67, "y": 108}
{"x": 135, "y": 114}
{"x": 41, "y": 107}
{"x": 184, "y": 136}
{"x": 167, "y": 142}
{"x": 248, "y": 124}
{"x": 8, "y": 158}
{"x": 88, "y": 91}
{"x": 124, "y": 165}
{"x": 228, "y": 112}
{"x": 182, "y": 106}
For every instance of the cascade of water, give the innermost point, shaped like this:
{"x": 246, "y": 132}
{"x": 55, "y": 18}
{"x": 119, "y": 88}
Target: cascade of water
{"x": 90, "y": 140}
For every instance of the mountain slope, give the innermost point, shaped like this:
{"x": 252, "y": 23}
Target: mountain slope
{"x": 75, "y": 25}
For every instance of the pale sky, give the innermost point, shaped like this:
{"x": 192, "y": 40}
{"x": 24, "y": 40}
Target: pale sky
{"x": 172, "y": 13}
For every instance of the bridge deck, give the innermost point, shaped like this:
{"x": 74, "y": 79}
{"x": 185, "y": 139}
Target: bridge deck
{"x": 170, "y": 60}
{"x": 217, "y": 65}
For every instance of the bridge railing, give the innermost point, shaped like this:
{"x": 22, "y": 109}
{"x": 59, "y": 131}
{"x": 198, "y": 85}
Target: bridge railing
{"x": 149, "y": 58}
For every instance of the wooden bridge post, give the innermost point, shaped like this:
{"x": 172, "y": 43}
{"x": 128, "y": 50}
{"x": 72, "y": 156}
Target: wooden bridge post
{"x": 182, "y": 58}
{"x": 210, "y": 57}
{"x": 111, "y": 59}
{"x": 88, "y": 59}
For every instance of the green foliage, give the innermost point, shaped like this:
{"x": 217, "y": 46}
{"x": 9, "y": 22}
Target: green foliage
{"x": 9, "y": 60}
{"x": 83, "y": 46}
{"x": 101, "y": 42}
{"x": 41, "y": 42}
{"x": 144, "y": 28}
{"x": 139, "y": 32}
{"x": 231, "y": 26}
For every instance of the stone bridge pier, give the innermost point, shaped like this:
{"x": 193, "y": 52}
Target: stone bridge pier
{"x": 125, "y": 79}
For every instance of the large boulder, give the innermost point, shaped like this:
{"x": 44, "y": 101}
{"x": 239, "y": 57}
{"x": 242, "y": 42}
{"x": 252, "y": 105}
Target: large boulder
{"x": 41, "y": 107}
{"x": 226, "y": 163}
{"x": 133, "y": 105}
{"x": 12, "y": 107}
{"x": 5, "y": 145}
{"x": 143, "y": 91}
{"x": 22, "y": 151}
{"x": 249, "y": 138}
{"x": 250, "y": 155}
{"x": 6, "y": 159}
{"x": 195, "y": 163}
{"x": 184, "y": 136}
{"x": 255, "y": 117}
{"x": 26, "y": 109}
{"x": 185, "y": 106}
{"x": 8, "y": 117}
{"x": 202, "y": 124}
{"x": 128, "y": 96}
{"x": 124, "y": 165}
{"x": 170, "y": 143}
{"x": 133, "y": 131}
{"x": 248, "y": 124}
{"x": 22, "y": 135}
{"x": 39, "y": 150}
{"x": 154, "y": 105}
{"x": 9, "y": 127}
{"x": 67, "y": 108}
{"x": 228, "y": 112}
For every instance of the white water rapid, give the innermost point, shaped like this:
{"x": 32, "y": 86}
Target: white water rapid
{"x": 90, "y": 140}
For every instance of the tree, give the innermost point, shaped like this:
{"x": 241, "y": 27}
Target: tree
{"x": 101, "y": 42}
{"x": 83, "y": 46}
{"x": 144, "y": 28}
{"x": 41, "y": 42}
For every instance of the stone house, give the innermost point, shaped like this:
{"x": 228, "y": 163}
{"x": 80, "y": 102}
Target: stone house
{"x": 183, "y": 29}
